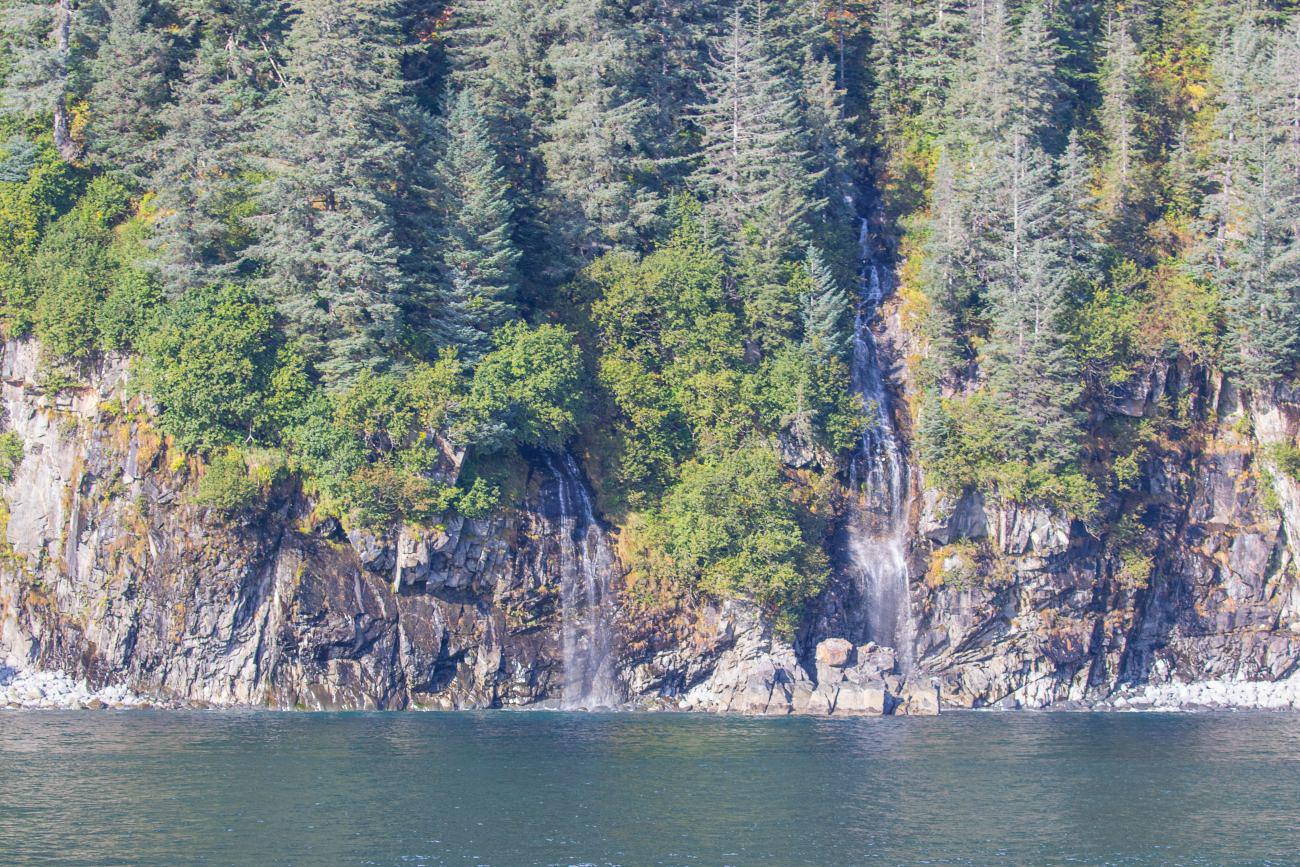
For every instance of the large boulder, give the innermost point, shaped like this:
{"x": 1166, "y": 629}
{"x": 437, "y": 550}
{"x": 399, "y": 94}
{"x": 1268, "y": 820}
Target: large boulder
{"x": 860, "y": 699}
{"x": 918, "y": 699}
{"x": 835, "y": 652}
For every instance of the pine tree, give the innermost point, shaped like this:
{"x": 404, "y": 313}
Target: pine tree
{"x": 1077, "y": 222}
{"x": 205, "y": 154}
{"x": 479, "y": 257}
{"x": 830, "y": 140}
{"x": 203, "y": 160}
{"x": 794, "y": 34}
{"x": 1027, "y": 273}
{"x": 596, "y": 145}
{"x": 1038, "y": 96}
{"x": 753, "y": 165}
{"x": 1010, "y": 84}
{"x": 498, "y": 51}
{"x": 51, "y": 47}
{"x": 1118, "y": 117}
{"x": 345, "y": 213}
{"x": 673, "y": 38}
{"x": 825, "y": 309}
{"x": 1253, "y": 217}
{"x": 130, "y": 87}
{"x": 947, "y": 273}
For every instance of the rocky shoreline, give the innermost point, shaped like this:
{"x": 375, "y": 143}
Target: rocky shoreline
{"x": 33, "y": 689}
{"x": 29, "y": 689}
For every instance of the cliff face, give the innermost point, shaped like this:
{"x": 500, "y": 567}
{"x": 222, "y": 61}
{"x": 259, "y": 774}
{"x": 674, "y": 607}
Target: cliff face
{"x": 1194, "y": 581}
{"x": 112, "y": 572}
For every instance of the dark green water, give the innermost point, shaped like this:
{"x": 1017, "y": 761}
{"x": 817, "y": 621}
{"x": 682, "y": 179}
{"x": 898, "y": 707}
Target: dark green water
{"x": 541, "y": 788}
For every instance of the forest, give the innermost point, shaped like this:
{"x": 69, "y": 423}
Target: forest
{"x": 393, "y": 250}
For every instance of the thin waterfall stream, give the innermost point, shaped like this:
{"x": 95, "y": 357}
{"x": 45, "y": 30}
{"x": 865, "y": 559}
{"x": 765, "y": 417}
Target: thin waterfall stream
{"x": 876, "y": 528}
{"x": 586, "y": 569}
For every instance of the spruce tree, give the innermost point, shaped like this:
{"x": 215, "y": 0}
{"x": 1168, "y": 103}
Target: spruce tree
{"x": 1077, "y": 223}
{"x": 479, "y": 258}
{"x": 345, "y": 211}
{"x": 498, "y": 50}
{"x": 1118, "y": 120}
{"x": 596, "y": 147}
{"x": 825, "y": 309}
{"x": 51, "y": 47}
{"x": 753, "y": 165}
{"x": 1253, "y": 251}
{"x": 130, "y": 72}
{"x": 1027, "y": 272}
{"x": 205, "y": 156}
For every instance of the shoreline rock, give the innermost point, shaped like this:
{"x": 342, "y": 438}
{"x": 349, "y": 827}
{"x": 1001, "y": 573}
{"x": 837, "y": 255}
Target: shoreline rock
{"x": 32, "y": 689}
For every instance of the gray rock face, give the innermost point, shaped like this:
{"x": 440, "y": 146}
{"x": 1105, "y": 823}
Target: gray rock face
{"x": 113, "y": 574}
{"x": 1054, "y": 614}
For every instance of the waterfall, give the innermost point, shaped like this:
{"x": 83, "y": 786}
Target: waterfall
{"x": 586, "y": 566}
{"x": 876, "y": 527}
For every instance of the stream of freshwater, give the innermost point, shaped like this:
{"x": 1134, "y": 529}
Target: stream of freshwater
{"x": 876, "y": 527}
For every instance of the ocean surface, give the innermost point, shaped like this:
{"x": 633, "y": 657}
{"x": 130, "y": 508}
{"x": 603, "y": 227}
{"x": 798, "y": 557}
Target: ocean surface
{"x": 516, "y": 788}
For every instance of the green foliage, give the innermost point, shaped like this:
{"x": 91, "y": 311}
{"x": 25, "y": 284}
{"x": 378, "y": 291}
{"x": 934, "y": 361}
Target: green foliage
{"x": 730, "y": 528}
{"x": 209, "y": 362}
{"x": 529, "y": 386}
{"x": 11, "y": 454}
{"x": 1286, "y": 457}
{"x": 1131, "y": 545}
{"x": 378, "y": 495}
{"x": 971, "y": 442}
{"x": 28, "y": 207}
{"x": 807, "y": 388}
{"x": 125, "y": 312}
{"x": 227, "y": 484}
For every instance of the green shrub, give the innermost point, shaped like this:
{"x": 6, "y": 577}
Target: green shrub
{"x": 65, "y": 318}
{"x": 11, "y": 454}
{"x": 976, "y": 442}
{"x": 227, "y": 484}
{"x": 209, "y": 362}
{"x": 124, "y": 314}
{"x": 379, "y": 495}
{"x": 529, "y": 388}
{"x": 1286, "y": 457}
{"x": 731, "y": 528}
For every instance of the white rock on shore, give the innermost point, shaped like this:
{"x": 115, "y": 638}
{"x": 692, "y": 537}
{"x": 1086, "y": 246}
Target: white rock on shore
{"x": 1264, "y": 695}
{"x": 54, "y": 690}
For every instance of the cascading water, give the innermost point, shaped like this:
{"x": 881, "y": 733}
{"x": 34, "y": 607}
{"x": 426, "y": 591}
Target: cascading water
{"x": 586, "y": 566}
{"x": 876, "y": 528}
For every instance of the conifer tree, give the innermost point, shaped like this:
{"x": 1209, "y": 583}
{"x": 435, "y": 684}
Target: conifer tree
{"x": 51, "y": 48}
{"x": 753, "y": 165}
{"x": 1253, "y": 251}
{"x": 205, "y": 155}
{"x": 1077, "y": 221}
{"x": 201, "y": 177}
{"x": 1027, "y": 273}
{"x": 596, "y": 145}
{"x": 498, "y": 51}
{"x": 1118, "y": 117}
{"x": 479, "y": 257}
{"x": 947, "y": 271}
{"x": 825, "y": 308}
{"x": 829, "y": 142}
{"x": 345, "y": 213}
{"x": 130, "y": 87}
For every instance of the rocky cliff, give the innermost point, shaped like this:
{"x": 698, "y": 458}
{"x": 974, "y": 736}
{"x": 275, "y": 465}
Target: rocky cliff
{"x": 112, "y": 572}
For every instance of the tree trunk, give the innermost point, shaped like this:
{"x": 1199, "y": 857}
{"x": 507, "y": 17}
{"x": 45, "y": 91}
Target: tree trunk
{"x": 69, "y": 149}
